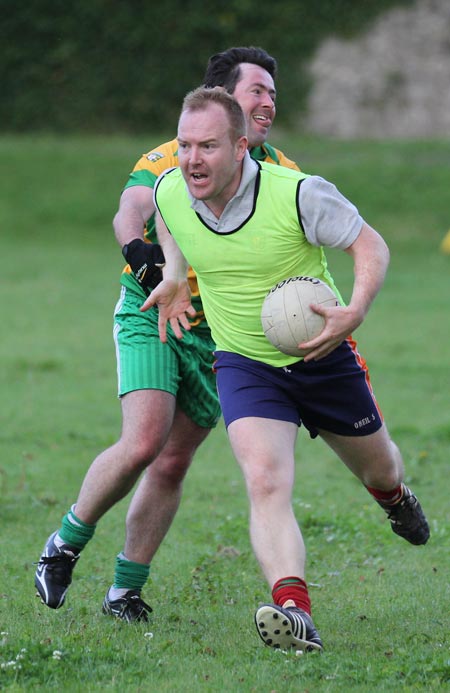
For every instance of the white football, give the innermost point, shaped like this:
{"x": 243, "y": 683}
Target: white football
{"x": 286, "y": 316}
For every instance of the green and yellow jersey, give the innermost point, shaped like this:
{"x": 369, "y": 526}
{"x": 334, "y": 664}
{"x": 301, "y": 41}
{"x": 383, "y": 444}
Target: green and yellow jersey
{"x": 146, "y": 172}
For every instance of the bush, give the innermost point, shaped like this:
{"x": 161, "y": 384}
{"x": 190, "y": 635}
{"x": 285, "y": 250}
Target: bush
{"x": 97, "y": 65}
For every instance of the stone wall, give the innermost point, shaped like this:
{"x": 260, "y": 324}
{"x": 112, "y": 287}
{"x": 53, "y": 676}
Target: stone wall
{"x": 391, "y": 81}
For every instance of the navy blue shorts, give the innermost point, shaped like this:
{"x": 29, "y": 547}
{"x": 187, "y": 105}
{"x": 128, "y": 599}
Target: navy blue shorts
{"x": 333, "y": 394}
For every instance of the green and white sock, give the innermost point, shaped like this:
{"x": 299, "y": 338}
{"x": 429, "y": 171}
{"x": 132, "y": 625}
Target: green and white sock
{"x": 128, "y": 575}
{"x": 74, "y": 531}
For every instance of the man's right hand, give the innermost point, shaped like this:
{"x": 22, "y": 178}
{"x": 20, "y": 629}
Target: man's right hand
{"x": 146, "y": 261}
{"x": 173, "y": 299}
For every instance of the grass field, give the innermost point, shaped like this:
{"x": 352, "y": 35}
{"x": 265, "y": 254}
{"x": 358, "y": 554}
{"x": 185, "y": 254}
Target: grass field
{"x": 381, "y": 605}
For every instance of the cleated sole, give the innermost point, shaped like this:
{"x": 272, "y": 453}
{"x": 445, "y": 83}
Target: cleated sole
{"x": 275, "y": 630}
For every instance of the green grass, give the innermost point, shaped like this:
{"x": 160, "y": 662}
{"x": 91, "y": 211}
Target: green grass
{"x": 381, "y": 605}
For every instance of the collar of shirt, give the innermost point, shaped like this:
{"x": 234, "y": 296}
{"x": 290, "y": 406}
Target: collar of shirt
{"x": 258, "y": 153}
{"x": 238, "y": 208}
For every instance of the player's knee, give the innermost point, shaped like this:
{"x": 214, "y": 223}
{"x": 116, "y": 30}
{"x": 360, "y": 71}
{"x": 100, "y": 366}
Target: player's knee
{"x": 141, "y": 453}
{"x": 263, "y": 487}
{"x": 170, "y": 468}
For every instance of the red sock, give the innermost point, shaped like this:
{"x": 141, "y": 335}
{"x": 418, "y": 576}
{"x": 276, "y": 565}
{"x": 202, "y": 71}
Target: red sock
{"x": 387, "y": 497}
{"x": 292, "y": 588}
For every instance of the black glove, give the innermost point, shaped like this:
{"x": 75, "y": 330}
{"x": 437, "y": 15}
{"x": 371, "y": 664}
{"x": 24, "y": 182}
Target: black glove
{"x": 146, "y": 260}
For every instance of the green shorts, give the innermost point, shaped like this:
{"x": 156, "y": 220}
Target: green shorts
{"x": 182, "y": 367}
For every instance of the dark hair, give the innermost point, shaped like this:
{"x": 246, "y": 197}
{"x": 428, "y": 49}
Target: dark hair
{"x": 224, "y": 68}
{"x": 198, "y": 100}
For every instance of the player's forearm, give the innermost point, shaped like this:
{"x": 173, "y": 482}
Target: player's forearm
{"x": 176, "y": 266}
{"x": 371, "y": 259}
{"x": 136, "y": 208}
{"x": 128, "y": 224}
{"x": 145, "y": 259}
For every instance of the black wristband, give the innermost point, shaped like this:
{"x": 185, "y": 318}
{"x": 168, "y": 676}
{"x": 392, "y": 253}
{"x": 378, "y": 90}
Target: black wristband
{"x": 129, "y": 248}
